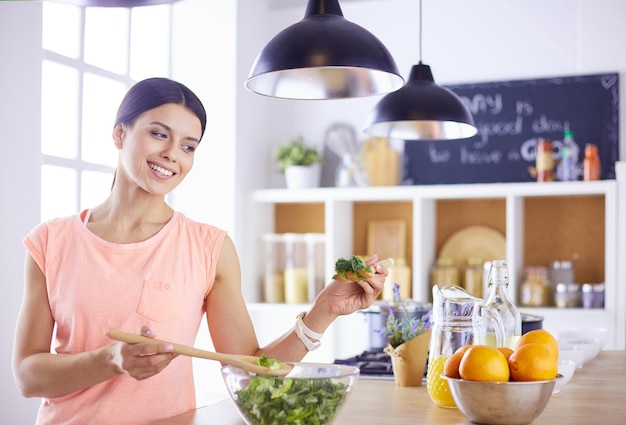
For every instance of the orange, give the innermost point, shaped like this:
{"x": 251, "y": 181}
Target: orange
{"x": 484, "y": 363}
{"x": 506, "y": 351}
{"x": 533, "y": 362}
{"x": 539, "y": 336}
{"x": 451, "y": 367}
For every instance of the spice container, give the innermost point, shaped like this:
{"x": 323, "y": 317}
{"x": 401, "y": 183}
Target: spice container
{"x": 559, "y": 272}
{"x": 473, "y": 279}
{"x": 544, "y": 161}
{"x": 593, "y": 295}
{"x": 534, "y": 289}
{"x": 591, "y": 163}
{"x": 568, "y": 295}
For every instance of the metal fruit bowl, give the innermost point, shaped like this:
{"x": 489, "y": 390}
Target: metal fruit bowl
{"x": 501, "y": 403}
{"x": 310, "y": 393}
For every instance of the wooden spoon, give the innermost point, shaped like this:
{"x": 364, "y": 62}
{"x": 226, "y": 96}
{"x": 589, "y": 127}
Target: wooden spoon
{"x": 248, "y": 363}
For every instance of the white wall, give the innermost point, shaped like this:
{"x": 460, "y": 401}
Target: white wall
{"x": 20, "y": 92}
{"x": 201, "y": 38}
{"x": 464, "y": 41}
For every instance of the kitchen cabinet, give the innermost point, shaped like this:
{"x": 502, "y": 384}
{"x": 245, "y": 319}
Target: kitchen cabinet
{"x": 542, "y": 222}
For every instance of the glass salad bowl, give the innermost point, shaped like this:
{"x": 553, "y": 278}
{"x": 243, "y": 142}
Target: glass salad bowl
{"x": 311, "y": 393}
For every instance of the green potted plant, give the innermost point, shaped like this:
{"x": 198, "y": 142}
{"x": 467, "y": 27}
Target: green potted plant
{"x": 300, "y": 162}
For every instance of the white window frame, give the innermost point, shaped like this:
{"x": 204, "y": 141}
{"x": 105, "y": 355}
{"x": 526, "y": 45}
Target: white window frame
{"x": 78, "y": 164}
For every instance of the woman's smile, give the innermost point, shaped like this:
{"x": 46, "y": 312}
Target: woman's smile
{"x": 160, "y": 170}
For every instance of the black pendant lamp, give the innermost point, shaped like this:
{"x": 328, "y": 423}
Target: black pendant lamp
{"x": 421, "y": 110}
{"x": 323, "y": 56}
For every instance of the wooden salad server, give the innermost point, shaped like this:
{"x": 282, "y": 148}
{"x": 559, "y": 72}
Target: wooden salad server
{"x": 248, "y": 363}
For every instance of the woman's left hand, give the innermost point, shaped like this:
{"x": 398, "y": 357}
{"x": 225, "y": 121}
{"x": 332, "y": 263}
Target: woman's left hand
{"x": 345, "y": 298}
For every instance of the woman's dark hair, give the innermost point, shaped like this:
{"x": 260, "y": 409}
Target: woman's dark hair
{"x": 154, "y": 92}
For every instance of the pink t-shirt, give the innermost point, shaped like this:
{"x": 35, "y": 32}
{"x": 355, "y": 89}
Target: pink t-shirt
{"x": 94, "y": 285}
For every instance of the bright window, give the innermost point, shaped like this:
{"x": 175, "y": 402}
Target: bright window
{"x": 91, "y": 57}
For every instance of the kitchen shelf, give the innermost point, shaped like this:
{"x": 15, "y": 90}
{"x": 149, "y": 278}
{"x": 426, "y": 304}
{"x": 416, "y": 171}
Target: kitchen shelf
{"x": 538, "y": 219}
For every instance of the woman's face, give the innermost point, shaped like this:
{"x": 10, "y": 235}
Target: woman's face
{"x": 157, "y": 151}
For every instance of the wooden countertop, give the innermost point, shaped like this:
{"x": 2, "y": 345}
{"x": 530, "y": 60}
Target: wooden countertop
{"x": 595, "y": 395}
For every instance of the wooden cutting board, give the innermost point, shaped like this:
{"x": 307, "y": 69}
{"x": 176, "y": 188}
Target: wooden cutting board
{"x": 387, "y": 238}
{"x": 382, "y": 162}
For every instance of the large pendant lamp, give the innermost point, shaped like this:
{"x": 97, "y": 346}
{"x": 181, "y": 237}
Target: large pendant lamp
{"x": 421, "y": 110}
{"x": 324, "y": 56}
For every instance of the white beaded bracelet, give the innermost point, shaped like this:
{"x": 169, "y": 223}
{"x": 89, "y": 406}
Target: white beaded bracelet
{"x": 306, "y": 335}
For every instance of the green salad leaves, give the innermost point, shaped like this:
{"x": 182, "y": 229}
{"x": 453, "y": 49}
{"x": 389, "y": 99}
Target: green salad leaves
{"x": 354, "y": 264}
{"x": 284, "y": 401}
{"x": 272, "y": 364}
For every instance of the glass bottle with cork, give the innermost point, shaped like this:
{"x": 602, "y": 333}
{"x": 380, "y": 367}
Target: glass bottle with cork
{"x": 501, "y": 301}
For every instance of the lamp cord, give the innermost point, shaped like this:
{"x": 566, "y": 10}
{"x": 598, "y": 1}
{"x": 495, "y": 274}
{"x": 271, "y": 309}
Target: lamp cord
{"x": 420, "y": 33}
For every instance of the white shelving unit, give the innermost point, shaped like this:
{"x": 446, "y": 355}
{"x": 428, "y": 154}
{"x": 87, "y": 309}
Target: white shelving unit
{"x": 338, "y": 218}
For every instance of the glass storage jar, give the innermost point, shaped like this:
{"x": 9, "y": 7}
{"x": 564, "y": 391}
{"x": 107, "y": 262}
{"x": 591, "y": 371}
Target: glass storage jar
{"x": 473, "y": 279}
{"x": 444, "y": 272}
{"x": 568, "y": 295}
{"x": 593, "y": 295}
{"x": 535, "y": 288}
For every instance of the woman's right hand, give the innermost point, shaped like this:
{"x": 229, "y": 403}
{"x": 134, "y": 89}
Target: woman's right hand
{"x": 141, "y": 361}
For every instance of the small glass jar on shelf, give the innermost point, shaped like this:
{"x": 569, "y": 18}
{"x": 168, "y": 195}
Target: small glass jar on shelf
{"x": 294, "y": 267}
{"x": 444, "y": 272}
{"x": 400, "y": 274}
{"x": 473, "y": 276}
{"x": 534, "y": 291}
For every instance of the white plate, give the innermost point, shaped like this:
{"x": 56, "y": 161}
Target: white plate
{"x": 474, "y": 242}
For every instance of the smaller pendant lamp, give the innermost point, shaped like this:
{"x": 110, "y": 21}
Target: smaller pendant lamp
{"x": 421, "y": 110}
{"x": 323, "y": 56}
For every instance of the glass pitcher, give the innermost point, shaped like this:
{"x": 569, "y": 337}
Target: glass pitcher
{"x": 459, "y": 319}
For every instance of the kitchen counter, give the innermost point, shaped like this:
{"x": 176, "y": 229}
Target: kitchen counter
{"x": 595, "y": 395}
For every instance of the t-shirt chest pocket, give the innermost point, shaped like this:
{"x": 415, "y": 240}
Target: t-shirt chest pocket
{"x": 161, "y": 301}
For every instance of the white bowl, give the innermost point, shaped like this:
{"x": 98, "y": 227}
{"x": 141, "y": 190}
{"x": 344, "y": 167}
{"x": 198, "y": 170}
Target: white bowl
{"x": 599, "y": 334}
{"x": 588, "y": 345}
{"x": 566, "y": 370}
{"x": 575, "y": 354}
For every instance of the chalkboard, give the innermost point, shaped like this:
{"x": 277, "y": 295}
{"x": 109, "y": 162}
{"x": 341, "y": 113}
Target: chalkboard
{"x": 511, "y": 117}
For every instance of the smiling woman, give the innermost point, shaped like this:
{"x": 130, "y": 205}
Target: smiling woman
{"x": 134, "y": 263}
